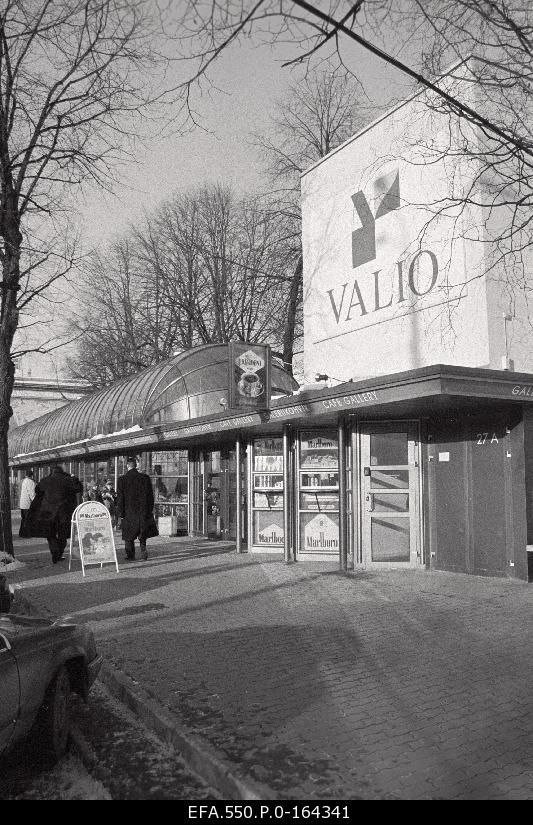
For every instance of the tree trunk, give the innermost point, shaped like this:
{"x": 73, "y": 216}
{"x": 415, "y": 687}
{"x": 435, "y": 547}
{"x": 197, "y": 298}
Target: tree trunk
{"x": 292, "y": 309}
{"x": 7, "y": 377}
{"x": 9, "y": 229}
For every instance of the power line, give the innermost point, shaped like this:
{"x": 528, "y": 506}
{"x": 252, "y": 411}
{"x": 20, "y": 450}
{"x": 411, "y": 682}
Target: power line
{"x": 461, "y": 107}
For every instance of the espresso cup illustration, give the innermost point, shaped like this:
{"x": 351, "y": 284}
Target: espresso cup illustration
{"x": 250, "y": 385}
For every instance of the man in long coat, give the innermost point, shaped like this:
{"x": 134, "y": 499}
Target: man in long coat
{"x": 50, "y": 513}
{"x": 135, "y": 504}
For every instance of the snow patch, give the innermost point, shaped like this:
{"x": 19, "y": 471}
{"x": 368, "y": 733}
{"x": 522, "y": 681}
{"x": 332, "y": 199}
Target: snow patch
{"x": 7, "y": 562}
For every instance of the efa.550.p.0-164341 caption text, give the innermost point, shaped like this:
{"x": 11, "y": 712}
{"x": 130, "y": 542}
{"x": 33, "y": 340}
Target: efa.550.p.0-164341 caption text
{"x": 263, "y": 811}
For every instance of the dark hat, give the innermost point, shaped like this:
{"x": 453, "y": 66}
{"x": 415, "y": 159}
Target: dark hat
{"x": 131, "y": 460}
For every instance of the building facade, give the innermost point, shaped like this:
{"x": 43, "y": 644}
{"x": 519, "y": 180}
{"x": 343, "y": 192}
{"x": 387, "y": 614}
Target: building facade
{"x": 419, "y": 453}
{"x": 33, "y": 397}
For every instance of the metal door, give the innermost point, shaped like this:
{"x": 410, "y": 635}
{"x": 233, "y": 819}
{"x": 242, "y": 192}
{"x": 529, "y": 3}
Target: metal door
{"x": 390, "y": 493}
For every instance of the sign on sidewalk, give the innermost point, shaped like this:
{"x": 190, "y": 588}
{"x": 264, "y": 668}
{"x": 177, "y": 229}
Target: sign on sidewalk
{"x": 91, "y": 523}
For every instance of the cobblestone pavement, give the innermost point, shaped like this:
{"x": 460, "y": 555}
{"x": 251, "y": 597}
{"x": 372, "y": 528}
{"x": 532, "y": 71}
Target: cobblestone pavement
{"x": 317, "y": 684}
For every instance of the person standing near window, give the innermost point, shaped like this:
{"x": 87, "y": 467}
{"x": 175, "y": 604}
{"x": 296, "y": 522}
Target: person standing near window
{"x": 135, "y": 505}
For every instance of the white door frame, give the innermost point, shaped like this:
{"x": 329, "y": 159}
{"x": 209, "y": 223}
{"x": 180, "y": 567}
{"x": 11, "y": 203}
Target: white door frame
{"x": 363, "y": 497}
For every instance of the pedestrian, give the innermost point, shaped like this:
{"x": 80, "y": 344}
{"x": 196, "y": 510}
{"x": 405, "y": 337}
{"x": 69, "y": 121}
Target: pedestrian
{"x": 95, "y": 494}
{"x": 27, "y": 494}
{"x": 135, "y": 504}
{"x": 109, "y": 498}
{"x": 50, "y": 513}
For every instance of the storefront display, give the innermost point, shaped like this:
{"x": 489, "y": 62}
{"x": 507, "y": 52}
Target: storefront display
{"x": 318, "y": 492}
{"x": 319, "y": 533}
{"x": 267, "y": 493}
{"x": 168, "y": 471}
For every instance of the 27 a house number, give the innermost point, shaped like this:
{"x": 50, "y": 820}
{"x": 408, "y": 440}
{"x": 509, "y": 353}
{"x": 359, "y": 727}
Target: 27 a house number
{"x": 484, "y": 438}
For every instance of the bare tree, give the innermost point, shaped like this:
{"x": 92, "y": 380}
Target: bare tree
{"x": 74, "y": 75}
{"x": 317, "y": 115}
{"x": 206, "y": 267}
{"x": 112, "y": 338}
{"x": 489, "y": 44}
{"x": 489, "y": 105}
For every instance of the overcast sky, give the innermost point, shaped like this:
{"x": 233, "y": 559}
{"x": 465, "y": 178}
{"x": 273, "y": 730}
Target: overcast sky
{"x": 248, "y": 82}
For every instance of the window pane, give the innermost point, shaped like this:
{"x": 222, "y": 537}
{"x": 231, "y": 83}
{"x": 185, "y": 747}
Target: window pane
{"x": 268, "y": 501}
{"x": 390, "y": 539}
{"x": 268, "y": 455}
{"x": 319, "y": 533}
{"x": 268, "y": 446}
{"x": 268, "y": 528}
{"x": 389, "y": 479}
{"x": 270, "y": 482}
{"x": 388, "y": 448}
{"x": 319, "y": 501}
{"x": 318, "y": 450}
{"x": 391, "y": 502}
{"x": 171, "y": 462}
{"x": 180, "y": 511}
{"x": 170, "y": 488}
{"x": 319, "y": 480}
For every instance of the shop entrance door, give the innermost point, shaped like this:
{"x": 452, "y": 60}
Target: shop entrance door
{"x": 390, "y": 493}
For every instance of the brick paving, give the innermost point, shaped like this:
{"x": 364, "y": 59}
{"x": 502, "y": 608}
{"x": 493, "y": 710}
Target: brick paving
{"x": 320, "y": 685}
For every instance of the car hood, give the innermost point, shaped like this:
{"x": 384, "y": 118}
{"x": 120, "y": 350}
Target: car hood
{"x": 13, "y": 624}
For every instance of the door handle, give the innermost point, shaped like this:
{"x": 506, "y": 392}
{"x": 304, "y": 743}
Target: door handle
{"x": 369, "y": 502}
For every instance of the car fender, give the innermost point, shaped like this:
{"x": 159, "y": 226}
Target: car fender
{"x": 74, "y": 657}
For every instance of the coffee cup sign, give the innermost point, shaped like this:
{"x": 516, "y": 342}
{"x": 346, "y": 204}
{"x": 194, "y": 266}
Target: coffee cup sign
{"x": 249, "y": 376}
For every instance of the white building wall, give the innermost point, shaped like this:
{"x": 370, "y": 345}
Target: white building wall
{"x": 509, "y": 266}
{"x": 422, "y": 295}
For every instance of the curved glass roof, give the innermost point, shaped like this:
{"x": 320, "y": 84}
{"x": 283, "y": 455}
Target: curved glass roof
{"x": 186, "y": 386}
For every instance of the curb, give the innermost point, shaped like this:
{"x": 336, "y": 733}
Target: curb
{"x": 199, "y": 755}
{"x": 85, "y": 752}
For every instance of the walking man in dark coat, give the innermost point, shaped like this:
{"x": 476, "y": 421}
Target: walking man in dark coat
{"x": 50, "y": 514}
{"x": 135, "y": 504}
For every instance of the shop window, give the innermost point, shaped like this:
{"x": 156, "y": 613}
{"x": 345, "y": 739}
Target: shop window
{"x": 267, "y": 525}
{"x": 318, "y": 492}
{"x": 168, "y": 471}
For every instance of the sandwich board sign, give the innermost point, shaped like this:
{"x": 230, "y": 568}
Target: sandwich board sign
{"x": 91, "y": 524}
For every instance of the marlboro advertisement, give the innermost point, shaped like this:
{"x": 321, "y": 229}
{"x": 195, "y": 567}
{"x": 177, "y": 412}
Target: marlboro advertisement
{"x": 249, "y": 376}
{"x": 320, "y": 533}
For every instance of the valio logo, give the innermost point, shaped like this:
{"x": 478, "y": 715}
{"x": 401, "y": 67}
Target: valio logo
{"x": 408, "y": 280}
{"x": 364, "y": 238}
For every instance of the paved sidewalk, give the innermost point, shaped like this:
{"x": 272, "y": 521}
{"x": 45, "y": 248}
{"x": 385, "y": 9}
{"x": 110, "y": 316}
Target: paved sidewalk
{"x": 315, "y": 684}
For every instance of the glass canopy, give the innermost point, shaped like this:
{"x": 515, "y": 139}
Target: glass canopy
{"x": 189, "y": 385}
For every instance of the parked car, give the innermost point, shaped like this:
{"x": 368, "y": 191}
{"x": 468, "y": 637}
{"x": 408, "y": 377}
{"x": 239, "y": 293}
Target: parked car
{"x": 41, "y": 663}
{"x": 6, "y": 594}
